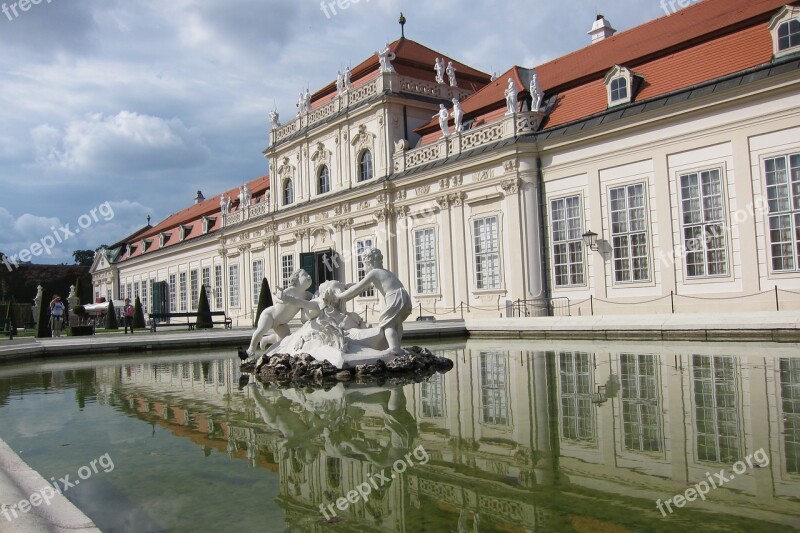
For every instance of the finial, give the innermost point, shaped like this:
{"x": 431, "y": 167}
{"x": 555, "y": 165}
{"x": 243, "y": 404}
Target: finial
{"x": 148, "y": 220}
{"x": 402, "y": 22}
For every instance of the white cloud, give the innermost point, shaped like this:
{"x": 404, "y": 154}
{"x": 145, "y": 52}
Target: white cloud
{"x": 119, "y": 143}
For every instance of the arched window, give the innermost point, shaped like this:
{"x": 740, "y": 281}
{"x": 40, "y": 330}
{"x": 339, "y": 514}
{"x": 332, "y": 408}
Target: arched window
{"x": 789, "y": 35}
{"x": 365, "y": 166}
{"x": 288, "y": 192}
{"x": 323, "y": 180}
{"x": 619, "y": 89}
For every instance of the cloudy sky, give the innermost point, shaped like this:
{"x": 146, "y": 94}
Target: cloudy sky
{"x": 140, "y": 103}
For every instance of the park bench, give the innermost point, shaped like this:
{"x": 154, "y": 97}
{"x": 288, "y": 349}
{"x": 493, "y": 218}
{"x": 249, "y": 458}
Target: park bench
{"x": 191, "y": 319}
{"x": 8, "y": 327}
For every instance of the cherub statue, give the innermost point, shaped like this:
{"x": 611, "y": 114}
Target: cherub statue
{"x": 458, "y": 115}
{"x": 451, "y": 74}
{"x": 511, "y": 97}
{"x": 276, "y": 317}
{"x": 385, "y": 58}
{"x": 438, "y": 67}
{"x": 396, "y": 301}
{"x": 443, "y": 115}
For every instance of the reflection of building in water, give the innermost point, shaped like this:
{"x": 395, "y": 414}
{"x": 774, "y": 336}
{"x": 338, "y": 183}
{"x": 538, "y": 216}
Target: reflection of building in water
{"x": 517, "y": 439}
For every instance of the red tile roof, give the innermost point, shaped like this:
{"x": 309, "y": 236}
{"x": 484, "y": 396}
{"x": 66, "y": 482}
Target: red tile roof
{"x": 192, "y": 219}
{"x": 705, "y": 41}
{"x": 413, "y": 59}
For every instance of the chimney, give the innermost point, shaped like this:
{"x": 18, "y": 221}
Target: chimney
{"x": 601, "y": 29}
{"x": 199, "y": 198}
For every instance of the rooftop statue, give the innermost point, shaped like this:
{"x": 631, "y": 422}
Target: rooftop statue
{"x": 274, "y": 119}
{"x": 443, "y": 115}
{"x": 339, "y": 83}
{"x": 511, "y": 97}
{"x": 536, "y": 93}
{"x": 451, "y": 74}
{"x": 458, "y": 115}
{"x": 347, "y": 79}
{"x": 438, "y": 67}
{"x": 385, "y": 58}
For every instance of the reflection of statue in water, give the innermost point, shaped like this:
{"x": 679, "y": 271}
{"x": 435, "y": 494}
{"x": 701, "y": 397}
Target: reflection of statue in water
{"x": 277, "y": 317}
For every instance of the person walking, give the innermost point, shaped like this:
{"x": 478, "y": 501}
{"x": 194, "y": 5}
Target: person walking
{"x": 127, "y": 313}
{"x": 56, "y": 315}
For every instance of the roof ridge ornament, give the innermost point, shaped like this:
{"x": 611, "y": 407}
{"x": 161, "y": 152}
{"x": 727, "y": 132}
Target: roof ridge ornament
{"x": 402, "y": 22}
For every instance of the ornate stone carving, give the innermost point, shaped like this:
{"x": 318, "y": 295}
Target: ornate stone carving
{"x": 484, "y": 175}
{"x": 458, "y": 198}
{"x": 301, "y": 219}
{"x": 423, "y": 189}
{"x": 321, "y": 155}
{"x": 510, "y": 165}
{"x": 363, "y": 139}
{"x": 400, "y": 195}
{"x": 382, "y": 198}
{"x": 443, "y": 201}
{"x": 401, "y": 145}
{"x": 341, "y": 209}
{"x": 511, "y": 186}
{"x": 364, "y": 205}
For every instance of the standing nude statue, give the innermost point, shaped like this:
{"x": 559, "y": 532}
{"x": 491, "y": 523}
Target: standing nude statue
{"x": 396, "y": 301}
{"x": 277, "y": 317}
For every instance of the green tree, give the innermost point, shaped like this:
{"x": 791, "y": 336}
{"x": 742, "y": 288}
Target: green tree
{"x": 111, "y": 317}
{"x": 138, "y": 315}
{"x": 264, "y": 300}
{"x": 43, "y": 322}
{"x": 203, "y": 322}
{"x": 83, "y": 257}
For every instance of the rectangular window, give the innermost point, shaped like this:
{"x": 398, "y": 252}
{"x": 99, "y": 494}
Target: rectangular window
{"x": 432, "y": 396}
{"x": 783, "y": 197}
{"x": 194, "y": 284}
{"x": 233, "y": 285}
{"x": 206, "y": 280}
{"x": 494, "y": 394}
{"x": 361, "y": 271}
{"x": 218, "y": 286}
{"x": 173, "y": 292}
{"x": 577, "y": 411}
{"x": 487, "y": 253}
{"x": 629, "y": 233}
{"x": 568, "y": 269}
{"x": 145, "y": 286}
{"x": 135, "y": 291}
{"x": 182, "y": 289}
{"x": 129, "y": 291}
{"x": 704, "y": 242}
{"x": 287, "y": 269}
{"x": 641, "y": 412}
{"x": 716, "y": 406}
{"x": 790, "y": 394}
{"x": 425, "y": 254}
{"x": 258, "y": 275}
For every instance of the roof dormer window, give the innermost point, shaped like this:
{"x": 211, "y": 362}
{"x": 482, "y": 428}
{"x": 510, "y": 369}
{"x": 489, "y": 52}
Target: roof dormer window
{"x": 163, "y": 237}
{"x": 619, "y": 86}
{"x": 185, "y": 231}
{"x": 208, "y": 223}
{"x": 785, "y": 29}
{"x": 146, "y": 243}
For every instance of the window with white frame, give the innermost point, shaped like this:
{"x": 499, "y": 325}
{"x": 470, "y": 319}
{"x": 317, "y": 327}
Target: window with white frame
{"x": 145, "y": 290}
{"x": 121, "y": 291}
{"x": 206, "y": 279}
{"x": 432, "y": 396}
{"x": 173, "y": 292}
{"x": 619, "y": 89}
{"x": 365, "y": 166}
{"x": 619, "y": 85}
{"x": 233, "y": 285}
{"x": 182, "y": 290}
{"x": 716, "y": 408}
{"x": 258, "y": 275}
{"x": 425, "y": 256}
{"x": 641, "y": 408}
{"x": 704, "y": 241}
{"x": 218, "y": 287}
{"x": 194, "y": 285}
{"x": 323, "y": 180}
{"x": 577, "y": 411}
{"x": 287, "y": 269}
{"x": 567, "y": 231}
{"x": 494, "y": 388}
{"x": 288, "y": 192}
{"x": 785, "y": 30}
{"x": 361, "y": 271}
{"x": 129, "y": 291}
{"x": 790, "y": 411}
{"x": 135, "y": 291}
{"x": 486, "y": 237}
{"x": 629, "y": 233}
{"x": 782, "y": 175}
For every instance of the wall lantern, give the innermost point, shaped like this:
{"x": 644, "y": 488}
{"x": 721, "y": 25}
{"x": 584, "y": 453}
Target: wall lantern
{"x": 590, "y": 238}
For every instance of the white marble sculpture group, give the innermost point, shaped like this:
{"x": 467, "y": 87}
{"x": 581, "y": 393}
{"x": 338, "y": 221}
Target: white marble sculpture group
{"x": 328, "y": 333}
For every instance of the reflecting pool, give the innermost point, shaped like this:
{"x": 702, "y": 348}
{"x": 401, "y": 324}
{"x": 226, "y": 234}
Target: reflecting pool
{"x": 519, "y": 436}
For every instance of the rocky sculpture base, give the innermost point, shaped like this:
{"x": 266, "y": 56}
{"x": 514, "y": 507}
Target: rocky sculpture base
{"x": 303, "y": 370}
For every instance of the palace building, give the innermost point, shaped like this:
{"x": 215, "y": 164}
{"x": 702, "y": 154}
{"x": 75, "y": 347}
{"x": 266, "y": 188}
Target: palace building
{"x": 656, "y": 170}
